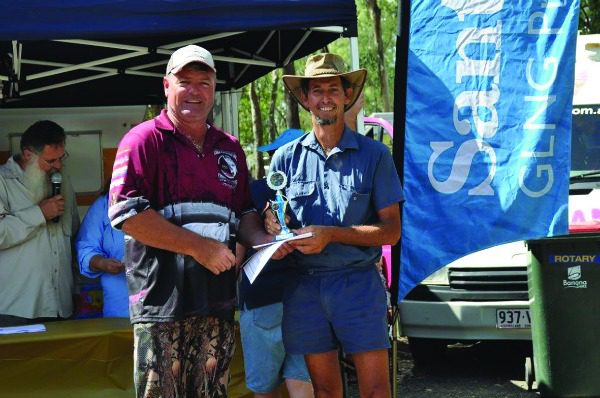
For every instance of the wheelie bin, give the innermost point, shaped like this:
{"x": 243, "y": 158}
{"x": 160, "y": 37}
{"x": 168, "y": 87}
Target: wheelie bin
{"x": 564, "y": 288}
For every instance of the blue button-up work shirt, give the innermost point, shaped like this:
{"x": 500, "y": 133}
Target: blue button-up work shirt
{"x": 96, "y": 237}
{"x": 345, "y": 188}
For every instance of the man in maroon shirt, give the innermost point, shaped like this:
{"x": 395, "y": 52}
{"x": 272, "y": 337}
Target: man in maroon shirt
{"x": 179, "y": 189}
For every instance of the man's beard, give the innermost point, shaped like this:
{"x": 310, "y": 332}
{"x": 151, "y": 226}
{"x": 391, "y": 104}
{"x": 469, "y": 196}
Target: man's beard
{"x": 36, "y": 180}
{"x": 321, "y": 121}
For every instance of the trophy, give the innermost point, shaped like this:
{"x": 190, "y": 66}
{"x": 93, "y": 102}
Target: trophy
{"x": 276, "y": 180}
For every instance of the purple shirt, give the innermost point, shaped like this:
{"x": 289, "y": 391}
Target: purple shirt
{"x": 155, "y": 165}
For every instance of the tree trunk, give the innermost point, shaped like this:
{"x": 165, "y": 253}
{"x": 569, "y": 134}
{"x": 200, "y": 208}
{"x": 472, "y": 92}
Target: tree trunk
{"x": 272, "y": 106}
{"x": 375, "y": 12}
{"x": 257, "y": 129}
{"x": 292, "y": 116}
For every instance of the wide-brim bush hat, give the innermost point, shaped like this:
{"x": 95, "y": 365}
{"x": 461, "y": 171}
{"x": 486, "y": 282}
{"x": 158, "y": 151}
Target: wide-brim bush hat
{"x": 322, "y": 66}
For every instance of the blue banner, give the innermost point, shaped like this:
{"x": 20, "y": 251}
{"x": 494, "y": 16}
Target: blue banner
{"x": 488, "y": 121}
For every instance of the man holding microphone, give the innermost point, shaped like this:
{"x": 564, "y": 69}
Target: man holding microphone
{"x": 38, "y": 219}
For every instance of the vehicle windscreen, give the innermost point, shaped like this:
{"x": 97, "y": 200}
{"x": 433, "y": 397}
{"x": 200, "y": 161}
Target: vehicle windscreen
{"x": 585, "y": 141}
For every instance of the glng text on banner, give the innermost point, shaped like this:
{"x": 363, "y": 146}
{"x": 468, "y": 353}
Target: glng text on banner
{"x": 488, "y": 122}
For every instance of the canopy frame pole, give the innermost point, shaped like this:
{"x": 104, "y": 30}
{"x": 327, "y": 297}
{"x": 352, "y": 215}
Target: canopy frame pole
{"x": 328, "y": 29}
{"x": 166, "y": 47}
{"x": 85, "y": 65}
{"x": 136, "y": 52}
{"x": 14, "y": 75}
{"x": 297, "y": 46}
{"x": 245, "y": 61}
{"x": 17, "y": 54}
{"x": 128, "y": 71}
{"x": 109, "y": 72}
{"x": 132, "y": 70}
{"x": 258, "y": 51}
{"x": 355, "y": 64}
{"x": 201, "y": 39}
{"x": 68, "y": 83}
{"x": 255, "y": 55}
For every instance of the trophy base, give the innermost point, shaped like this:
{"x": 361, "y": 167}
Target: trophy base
{"x": 283, "y": 236}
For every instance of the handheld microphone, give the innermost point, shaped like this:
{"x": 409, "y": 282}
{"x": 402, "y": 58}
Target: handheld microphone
{"x": 56, "y": 181}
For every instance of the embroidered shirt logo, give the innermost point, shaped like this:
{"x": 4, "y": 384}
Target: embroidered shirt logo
{"x": 227, "y": 167}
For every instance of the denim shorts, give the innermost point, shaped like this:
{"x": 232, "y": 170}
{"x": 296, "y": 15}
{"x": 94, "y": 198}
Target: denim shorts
{"x": 329, "y": 310}
{"x": 266, "y": 363}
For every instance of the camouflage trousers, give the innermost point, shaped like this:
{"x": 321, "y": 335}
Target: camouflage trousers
{"x": 183, "y": 359}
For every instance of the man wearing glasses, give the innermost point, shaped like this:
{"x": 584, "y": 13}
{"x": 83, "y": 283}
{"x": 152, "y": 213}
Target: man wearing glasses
{"x": 36, "y": 227}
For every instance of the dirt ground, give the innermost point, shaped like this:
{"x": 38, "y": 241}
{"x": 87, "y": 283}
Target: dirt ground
{"x": 484, "y": 370}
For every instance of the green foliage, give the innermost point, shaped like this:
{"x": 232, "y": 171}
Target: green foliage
{"x": 151, "y": 111}
{"x": 589, "y": 17}
{"x": 245, "y": 118}
{"x": 263, "y": 88}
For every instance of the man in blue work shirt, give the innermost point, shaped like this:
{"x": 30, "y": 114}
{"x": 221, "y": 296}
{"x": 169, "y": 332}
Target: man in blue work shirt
{"x": 343, "y": 187}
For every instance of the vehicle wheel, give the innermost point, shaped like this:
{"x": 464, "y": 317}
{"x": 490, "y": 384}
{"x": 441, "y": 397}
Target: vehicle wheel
{"x": 529, "y": 373}
{"x": 427, "y": 352}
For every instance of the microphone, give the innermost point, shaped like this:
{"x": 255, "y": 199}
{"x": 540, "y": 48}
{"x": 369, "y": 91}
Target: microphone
{"x": 56, "y": 181}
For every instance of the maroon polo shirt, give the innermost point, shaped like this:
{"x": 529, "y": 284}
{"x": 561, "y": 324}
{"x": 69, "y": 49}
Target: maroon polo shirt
{"x": 155, "y": 165}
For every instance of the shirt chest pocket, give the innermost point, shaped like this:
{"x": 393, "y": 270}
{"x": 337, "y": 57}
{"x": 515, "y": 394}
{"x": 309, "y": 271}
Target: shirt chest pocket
{"x": 303, "y": 201}
{"x": 354, "y": 207}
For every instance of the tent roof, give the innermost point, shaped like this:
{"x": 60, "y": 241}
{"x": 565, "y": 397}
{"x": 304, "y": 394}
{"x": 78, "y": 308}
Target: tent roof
{"x": 114, "y": 52}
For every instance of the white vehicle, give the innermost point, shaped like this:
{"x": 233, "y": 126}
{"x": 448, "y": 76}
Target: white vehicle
{"x": 483, "y": 296}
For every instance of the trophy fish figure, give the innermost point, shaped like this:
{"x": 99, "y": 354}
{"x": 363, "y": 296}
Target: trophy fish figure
{"x": 277, "y": 180}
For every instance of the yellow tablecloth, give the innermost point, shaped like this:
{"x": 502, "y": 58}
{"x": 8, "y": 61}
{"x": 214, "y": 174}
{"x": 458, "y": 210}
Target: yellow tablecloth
{"x": 86, "y": 358}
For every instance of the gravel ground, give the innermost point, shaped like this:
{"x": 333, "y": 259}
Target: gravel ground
{"x": 484, "y": 370}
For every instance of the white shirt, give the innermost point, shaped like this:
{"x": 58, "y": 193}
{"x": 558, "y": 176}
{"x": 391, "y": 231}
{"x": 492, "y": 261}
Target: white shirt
{"x": 36, "y": 277}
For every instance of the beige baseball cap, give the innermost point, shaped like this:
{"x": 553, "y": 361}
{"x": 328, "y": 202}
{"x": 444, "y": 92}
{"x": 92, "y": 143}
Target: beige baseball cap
{"x": 188, "y": 54}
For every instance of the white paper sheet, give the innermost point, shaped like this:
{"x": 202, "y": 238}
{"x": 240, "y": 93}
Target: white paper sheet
{"x": 258, "y": 260}
{"x": 23, "y": 329}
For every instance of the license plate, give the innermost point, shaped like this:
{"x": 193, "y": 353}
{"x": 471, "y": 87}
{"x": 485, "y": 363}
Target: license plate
{"x": 513, "y": 319}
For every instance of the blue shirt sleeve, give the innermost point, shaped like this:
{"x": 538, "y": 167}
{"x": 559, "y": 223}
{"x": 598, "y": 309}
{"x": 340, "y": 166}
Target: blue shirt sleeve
{"x": 386, "y": 183}
{"x": 90, "y": 236}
